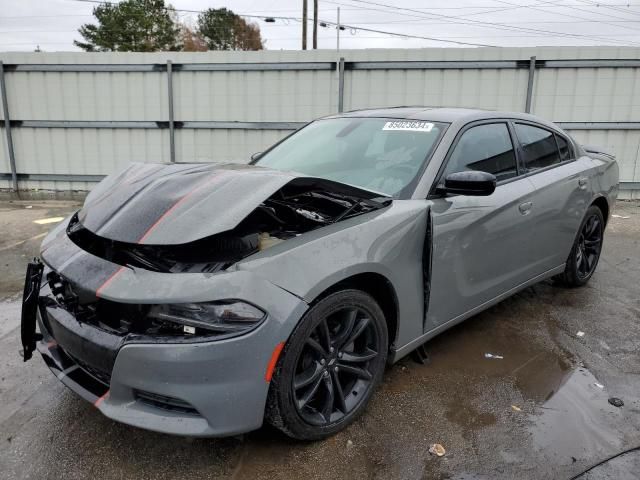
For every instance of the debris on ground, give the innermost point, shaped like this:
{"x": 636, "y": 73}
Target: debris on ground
{"x": 616, "y": 402}
{"x": 619, "y": 216}
{"x": 437, "y": 449}
{"x": 349, "y": 444}
{"x": 516, "y": 408}
{"x": 580, "y": 334}
{"x": 599, "y": 385}
{"x": 491, "y": 355}
{"x": 28, "y": 206}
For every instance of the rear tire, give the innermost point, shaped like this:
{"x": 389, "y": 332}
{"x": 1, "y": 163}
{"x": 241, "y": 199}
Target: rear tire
{"x": 330, "y": 367}
{"x": 585, "y": 253}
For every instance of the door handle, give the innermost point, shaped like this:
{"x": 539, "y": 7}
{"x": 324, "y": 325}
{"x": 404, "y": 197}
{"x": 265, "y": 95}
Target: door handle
{"x": 582, "y": 182}
{"x": 525, "y": 207}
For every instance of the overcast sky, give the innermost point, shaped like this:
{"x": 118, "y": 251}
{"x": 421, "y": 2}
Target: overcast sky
{"x": 53, "y": 24}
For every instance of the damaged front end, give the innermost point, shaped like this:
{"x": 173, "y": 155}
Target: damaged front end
{"x": 302, "y": 205}
{"x": 293, "y": 206}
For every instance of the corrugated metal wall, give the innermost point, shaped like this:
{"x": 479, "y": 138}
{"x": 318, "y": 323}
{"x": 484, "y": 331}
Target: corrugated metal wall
{"x": 598, "y": 94}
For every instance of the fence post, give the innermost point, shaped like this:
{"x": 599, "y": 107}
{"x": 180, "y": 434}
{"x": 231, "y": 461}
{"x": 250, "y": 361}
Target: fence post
{"x": 172, "y": 138}
{"x": 341, "y": 85}
{"x": 532, "y": 71}
{"x": 7, "y": 129}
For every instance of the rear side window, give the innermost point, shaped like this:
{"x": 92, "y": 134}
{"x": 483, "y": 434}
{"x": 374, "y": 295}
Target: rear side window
{"x": 487, "y": 148}
{"x": 539, "y": 147}
{"x": 563, "y": 147}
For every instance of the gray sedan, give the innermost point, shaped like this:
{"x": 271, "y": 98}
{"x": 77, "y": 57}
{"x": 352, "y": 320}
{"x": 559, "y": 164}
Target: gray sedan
{"x": 201, "y": 300}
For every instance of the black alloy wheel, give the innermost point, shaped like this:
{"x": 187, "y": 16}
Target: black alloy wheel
{"x": 330, "y": 366}
{"x": 586, "y": 250}
{"x": 589, "y": 246}
{"x": 332, "y": 371}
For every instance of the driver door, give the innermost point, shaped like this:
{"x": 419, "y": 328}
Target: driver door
{"x": 480, "y": 244}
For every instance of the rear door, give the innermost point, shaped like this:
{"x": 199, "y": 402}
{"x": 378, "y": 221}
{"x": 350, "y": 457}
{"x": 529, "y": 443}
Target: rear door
{"x": 561, "y": 196}
{"x": 480, "y": 244}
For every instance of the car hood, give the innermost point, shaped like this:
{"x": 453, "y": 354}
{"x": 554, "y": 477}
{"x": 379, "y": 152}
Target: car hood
{"x": 171, "y": 204}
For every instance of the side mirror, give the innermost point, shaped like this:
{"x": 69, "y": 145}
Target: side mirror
{"x": 256, "y": 155}
{"x": 471, "y": 182}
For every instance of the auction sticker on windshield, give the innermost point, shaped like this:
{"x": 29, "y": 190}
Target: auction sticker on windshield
{"x": 411, "y": 126}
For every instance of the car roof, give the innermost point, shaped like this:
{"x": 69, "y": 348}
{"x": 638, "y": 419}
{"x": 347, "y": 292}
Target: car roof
{"x": 440, "y": 114}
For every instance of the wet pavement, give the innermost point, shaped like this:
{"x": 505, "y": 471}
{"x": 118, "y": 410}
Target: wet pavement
{"x": 537, "y": 409}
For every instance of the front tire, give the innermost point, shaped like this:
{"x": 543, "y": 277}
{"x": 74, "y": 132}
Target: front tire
{"x": 330, "y": 367}
{"x": 586, "y": 250}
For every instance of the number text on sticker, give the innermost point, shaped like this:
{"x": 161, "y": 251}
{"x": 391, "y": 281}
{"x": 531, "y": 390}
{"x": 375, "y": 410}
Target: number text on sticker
{"x": 410, "y": 125}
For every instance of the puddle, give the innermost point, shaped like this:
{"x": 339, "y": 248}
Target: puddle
{"x": 563, "y": 418}
{"x": 576, "y": 421}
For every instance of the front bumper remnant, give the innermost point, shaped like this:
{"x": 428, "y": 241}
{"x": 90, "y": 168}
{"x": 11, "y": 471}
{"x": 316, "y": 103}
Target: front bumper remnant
{"x": 30, "y": 296}
{"x": 206, "y": 388}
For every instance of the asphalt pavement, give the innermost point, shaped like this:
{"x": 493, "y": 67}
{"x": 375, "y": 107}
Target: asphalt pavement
{"x": 538, "y": 407}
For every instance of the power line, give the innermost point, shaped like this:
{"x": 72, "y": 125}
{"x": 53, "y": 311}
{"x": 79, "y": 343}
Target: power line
{"x": 447, "y": 19}
{"x": 622, "y": 7}
{"x": 419, "y": 21}
{"x": 494, "y": 25}
{"x": 582, "y": 9}
{"x": 538, "y": 9}
{"x": 609, "y": 6}
{"x": 426, "y": 10}
{"x": 395, "y": 34}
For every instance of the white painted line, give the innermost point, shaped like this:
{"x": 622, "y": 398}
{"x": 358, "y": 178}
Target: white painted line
{"x": 45, "y": 221}
{"x": 13, "y": 245}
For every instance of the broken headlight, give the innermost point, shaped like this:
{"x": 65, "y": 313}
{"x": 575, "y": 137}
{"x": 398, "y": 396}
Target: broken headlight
{"x": 222, "y": 318}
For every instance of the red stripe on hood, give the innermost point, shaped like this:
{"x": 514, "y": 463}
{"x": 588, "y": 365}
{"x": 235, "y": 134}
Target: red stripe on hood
{"x": 180, "y": 201}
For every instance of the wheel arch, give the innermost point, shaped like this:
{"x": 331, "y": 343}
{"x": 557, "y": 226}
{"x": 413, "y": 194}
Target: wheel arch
{"x": 379, "y": 287}
{"x": 603, "y": 204}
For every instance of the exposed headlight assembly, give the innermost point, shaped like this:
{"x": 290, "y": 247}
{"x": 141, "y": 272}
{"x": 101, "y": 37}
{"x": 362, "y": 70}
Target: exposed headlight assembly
{"x": 222, "y": 318}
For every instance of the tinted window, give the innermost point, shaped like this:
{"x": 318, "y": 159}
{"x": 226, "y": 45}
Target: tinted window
{"x": 539, "y": 146}
{"x": 487, "y": 148}
{"x": 563, "y": 147}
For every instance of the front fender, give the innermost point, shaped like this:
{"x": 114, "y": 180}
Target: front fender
{"x": 388, "y": 242}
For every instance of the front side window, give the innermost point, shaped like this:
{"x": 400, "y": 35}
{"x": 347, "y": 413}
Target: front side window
{"x": 380, "y": 154}
{"x": 539, "y": 147}
{"x": 487, "y": 148}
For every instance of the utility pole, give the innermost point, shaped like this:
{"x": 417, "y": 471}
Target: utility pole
{"x": 315, "y": 24}
{"x": 338, "y": 33}
{"x": 304, "y": 24}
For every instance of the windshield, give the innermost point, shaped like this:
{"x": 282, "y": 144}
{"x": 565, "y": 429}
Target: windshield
{"x": 380, "y": 154}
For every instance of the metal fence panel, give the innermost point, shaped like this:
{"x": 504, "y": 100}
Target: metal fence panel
{"x": 494, "y": 89}
{"x": 626, "y": 144}
{"x": 224, "y": 145}
{"x": 588, "y": 94}
{"x": 87, "y": 96}
{"x": 254, "y": 96}
{"x": 272, "y": 92}
{"x": 88, "y": 151}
